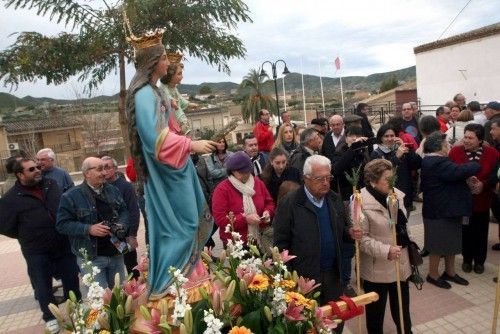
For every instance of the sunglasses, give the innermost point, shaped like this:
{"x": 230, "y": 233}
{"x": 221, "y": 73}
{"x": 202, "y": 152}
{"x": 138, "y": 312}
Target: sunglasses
{"x": 32, "y": 169}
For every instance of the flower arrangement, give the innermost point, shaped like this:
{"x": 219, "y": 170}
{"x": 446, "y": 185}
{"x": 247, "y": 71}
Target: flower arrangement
{"x": 250, "y": 294}
{"x": 104, "y": 311}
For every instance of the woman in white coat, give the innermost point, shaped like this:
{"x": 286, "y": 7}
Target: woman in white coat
{"x": 377, "y": 266}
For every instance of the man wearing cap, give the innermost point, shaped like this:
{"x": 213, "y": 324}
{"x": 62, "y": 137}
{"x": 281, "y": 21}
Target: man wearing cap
{"x": 246, "y": 197}
{"x": 492, "y": 113}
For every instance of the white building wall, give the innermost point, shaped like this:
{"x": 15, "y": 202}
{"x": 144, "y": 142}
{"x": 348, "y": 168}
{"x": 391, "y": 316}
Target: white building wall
{"x": 439, "y": 78}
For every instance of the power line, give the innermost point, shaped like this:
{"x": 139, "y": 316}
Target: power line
{"x": 449, "y": 25}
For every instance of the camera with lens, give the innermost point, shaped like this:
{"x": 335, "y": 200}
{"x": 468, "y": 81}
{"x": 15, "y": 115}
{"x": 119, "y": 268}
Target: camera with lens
{"x": 116, "y": 228}
{"x": 364, "y": 143}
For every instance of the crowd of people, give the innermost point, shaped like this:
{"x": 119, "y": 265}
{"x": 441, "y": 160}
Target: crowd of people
{"x": 286, "y": 187}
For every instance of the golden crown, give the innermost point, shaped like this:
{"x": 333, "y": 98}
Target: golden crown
{"x": 175, "y": 57}
{"x": 148, "y": 39}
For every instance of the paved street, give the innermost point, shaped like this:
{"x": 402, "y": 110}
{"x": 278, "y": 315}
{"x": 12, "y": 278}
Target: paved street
{"x": 459, "y": 310}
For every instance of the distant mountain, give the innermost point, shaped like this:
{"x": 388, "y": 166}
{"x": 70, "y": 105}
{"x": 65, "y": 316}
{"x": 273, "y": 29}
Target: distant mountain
{"x": 293, "y": 83}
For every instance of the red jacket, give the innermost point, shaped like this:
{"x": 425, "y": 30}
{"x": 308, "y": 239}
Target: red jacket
{"x": 409, "y": 141}
{"x": 443, "y": 125}
{"x": 226, "y": 199}
{"x": 265, "y": 138}
{"x": 488, "y": 161}
{"x": 130, "y": 170}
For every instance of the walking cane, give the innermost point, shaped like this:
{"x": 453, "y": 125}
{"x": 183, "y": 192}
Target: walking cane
{"x": 497, "y": 302}
{"x": 355, "y": 207}
{"x": 393, "y": 206}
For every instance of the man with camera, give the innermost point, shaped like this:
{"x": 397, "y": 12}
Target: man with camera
{"x": 95, "y": 218}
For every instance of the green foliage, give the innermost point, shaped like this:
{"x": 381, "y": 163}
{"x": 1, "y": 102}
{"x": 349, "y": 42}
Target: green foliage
{"x": 205, "y": 89}
{"x": 388, "y": 83}
{"x": 202, "y": 29}
{"x": 254, "y": 100}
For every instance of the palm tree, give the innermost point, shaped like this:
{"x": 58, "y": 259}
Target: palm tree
{"x": 255, "y": 100}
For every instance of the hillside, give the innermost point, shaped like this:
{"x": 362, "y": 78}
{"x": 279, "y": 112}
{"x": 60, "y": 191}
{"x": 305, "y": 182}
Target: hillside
{"x": 293, "y": 83}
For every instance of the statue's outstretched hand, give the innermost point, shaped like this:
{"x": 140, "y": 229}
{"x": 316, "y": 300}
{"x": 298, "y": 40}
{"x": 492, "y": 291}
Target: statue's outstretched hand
{"x": 203, "y": 146}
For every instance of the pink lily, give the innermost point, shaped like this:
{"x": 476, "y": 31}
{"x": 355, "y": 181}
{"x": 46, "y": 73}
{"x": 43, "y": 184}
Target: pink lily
{"x": 154, "y": 323}
{"x": 134, "y": 288}
{"x": 245, "y": 274}
{"x": 306, "y": 285}
{"x": 217, "y": 299}
{"x": 143, "y": 264}
{"x": 285, "y": 257}
{"x": 268, "y": 263}
{"x": 322, "y": 321}
{"x": 293, "y": 312}
{"x": 106, "y": 297}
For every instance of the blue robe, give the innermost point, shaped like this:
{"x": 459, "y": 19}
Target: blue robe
{"x": 175, "y": 205}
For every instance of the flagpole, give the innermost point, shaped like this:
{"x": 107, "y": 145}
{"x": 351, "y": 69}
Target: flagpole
{"x": 284, "y": 93}
{"x": 321, "y": 84}
{"x": 303, "y": 93}
{"x": 342, "y": 94}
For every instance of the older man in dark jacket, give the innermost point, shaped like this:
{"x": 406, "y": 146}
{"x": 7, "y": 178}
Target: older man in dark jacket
{"x": 28, "y": 214}
{"x": 312, "y": 224}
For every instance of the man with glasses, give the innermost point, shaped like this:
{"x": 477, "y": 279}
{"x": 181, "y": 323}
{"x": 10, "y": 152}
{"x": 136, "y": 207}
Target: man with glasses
{"x": 114, "y": 177}
{"x": 95, "y": 218}
{"x": 311, "y": 223}
{"x": 310, "y": 144}
{"x": 46, "y": 159}
{"x": 28, "y": 213}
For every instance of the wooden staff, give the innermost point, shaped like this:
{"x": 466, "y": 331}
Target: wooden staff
{"x": 355, "y": 207}
{"x": 393, "y": 206}
{"x": 365, "y": 299}
{"x": 497, "y": 302}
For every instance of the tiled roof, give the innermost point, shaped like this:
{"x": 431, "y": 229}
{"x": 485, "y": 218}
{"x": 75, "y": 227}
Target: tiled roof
{"x": 40, "y": 124}
{"x": 490, "y": 30}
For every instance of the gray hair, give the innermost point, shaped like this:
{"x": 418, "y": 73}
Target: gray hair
{"x": 317, "y": 160}
{"x": 85, "y": 165}
{"x": 50, "y": 153}
{"x": 108, "y": 158}
{"x": 307, "y": 135}
{"x": 434, "y": 142}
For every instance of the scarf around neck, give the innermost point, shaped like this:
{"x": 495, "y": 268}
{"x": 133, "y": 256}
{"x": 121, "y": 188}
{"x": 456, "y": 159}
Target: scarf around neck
{"x": 247, "y": 190}
{"x": 401, "y": 232}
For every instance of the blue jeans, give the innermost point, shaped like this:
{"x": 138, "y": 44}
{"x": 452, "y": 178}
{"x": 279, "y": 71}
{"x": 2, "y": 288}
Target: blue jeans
{"x": 41, "y": 268}
{"x": 108, "y": 266}
{"x": 347, "y": 255}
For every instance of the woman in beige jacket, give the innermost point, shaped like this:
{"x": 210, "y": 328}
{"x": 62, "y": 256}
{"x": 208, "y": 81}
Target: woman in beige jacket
{"x": 377, "y": 252}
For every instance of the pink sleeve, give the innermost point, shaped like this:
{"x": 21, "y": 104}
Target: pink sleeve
{"x": 174, "y": 150}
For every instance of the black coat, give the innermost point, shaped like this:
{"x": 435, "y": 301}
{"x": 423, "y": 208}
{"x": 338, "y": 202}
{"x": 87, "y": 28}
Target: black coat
{"x": 329, "y": 149}
{"x": 298, "y": 158}
{"x": 32, "y": 221}
{"x": 273, "y": 182}
{"x": 296, "y": 228}
{"x": 408, "y": 162}
{"x": 446, "y": 195}
{"x": 345, "y": 162}
{"x": 365, "y": 124}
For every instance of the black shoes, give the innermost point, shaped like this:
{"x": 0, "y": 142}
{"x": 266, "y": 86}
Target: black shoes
{"x": 478, "y": 268}
{"x": 495, "y": 279}
{"x": 424, "y": 252}
{"x": 466, "y": 267}
{"x": 440, "y": 283}
{"x": 455, "y": 279}
{"x": 496, "y": 247}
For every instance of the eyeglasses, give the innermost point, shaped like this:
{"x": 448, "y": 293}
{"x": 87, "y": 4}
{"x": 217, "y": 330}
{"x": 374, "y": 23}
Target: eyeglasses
{"x": 32, "y": 168}
{"x": 99, "y": 168}
{"x": 321, "y": 178}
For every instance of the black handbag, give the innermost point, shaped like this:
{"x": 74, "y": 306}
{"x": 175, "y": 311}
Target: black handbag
{"x": 415, "y": 261}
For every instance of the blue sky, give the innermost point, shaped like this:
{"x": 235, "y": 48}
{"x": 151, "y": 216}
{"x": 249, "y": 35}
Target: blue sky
{"x": 368, "y": 36}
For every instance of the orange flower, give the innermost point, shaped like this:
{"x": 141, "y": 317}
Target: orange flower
{"x": 299, "y": 299}
{"x": 91, "y": 318}
{"x": 259, "y": 283}
{"x": 240, "y": 330}
{"x": 287, "y": 284}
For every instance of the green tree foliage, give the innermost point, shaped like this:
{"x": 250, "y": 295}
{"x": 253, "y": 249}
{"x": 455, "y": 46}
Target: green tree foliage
{"x": 205, "y": 89}
{"x": 96, "y": 46}
{"x": 389, "y": 82}
{"x": 254, "y": 99}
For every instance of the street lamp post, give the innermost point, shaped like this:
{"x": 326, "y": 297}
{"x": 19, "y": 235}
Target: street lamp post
{"x": 275, "y": 76}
